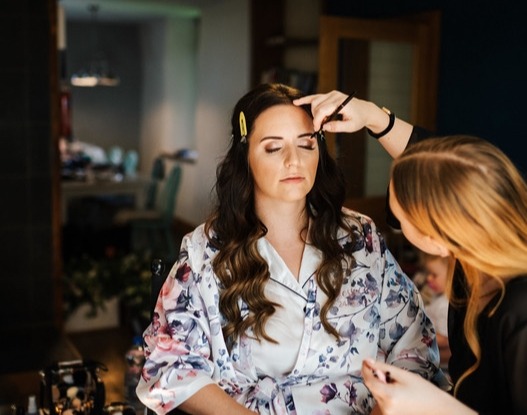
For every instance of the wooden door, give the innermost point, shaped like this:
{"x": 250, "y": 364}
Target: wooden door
{"x": 394, "y": 63}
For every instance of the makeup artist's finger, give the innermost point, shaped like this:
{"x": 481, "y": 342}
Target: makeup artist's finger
{"x": 307, "y": 100}
{"x": 322, "y": 105}
{"x": 385, "y": 367}
{"x": 335, "y": 126}
{"x": 370, "y": 373}
{"x": 377, "y": 386}
{"x": 319, "y": 108}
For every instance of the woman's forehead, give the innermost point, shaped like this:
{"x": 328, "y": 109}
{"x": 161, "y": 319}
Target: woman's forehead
{"x": 282, "y": 116}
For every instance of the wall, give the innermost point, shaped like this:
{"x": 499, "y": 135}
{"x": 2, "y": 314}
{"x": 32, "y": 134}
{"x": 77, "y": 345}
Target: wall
{"x": 169, "y": 96}
{"x": 168, "y": 87}
{"x": 28, "y": 160}
{"x": 483, "y": 61}
{"x": 301, "y": 20}
{"x": 222, "y": 78}
{"x": 106, "y": 116}
{"x": 191, "y": 80}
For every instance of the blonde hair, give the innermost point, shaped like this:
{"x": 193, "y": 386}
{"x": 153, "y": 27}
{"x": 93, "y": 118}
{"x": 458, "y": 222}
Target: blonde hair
{"x": 466, "y": 193}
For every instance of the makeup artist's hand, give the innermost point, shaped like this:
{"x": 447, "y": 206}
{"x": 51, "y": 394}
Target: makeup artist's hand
{"x": 398, "y": 391}
{"x": 355, "y": 114}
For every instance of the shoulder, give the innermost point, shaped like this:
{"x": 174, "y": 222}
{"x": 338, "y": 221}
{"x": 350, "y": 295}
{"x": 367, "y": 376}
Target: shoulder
{"x": 515, "y": 295}
{"x": 518, "y": 284}
{"x": 358, "y": 223}
{"x": 196, "y": 244}
{"x": 512, "y": 311}
{"x": 195, "y": 259}
{"x": 357, "y": 219}
{"x": 198, "y": 236}
{"x": 361, "y": 233}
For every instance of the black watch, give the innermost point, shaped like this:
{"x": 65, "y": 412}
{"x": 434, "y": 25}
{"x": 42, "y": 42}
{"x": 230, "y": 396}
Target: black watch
{"x": 387, "y": 129}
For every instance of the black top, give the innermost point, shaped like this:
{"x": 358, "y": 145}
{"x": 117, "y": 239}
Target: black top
{"x": 499, "y": 385}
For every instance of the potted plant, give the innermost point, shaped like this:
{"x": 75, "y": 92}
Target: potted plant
{"x": 93, "y": 285}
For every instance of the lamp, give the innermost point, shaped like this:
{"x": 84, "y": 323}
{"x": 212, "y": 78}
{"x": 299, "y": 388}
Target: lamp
{"x": 98, "y": 72}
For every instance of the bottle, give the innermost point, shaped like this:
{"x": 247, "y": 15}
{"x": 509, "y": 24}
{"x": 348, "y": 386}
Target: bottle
{"x": 32, "y": 405}
{"x": 135, "y": 360}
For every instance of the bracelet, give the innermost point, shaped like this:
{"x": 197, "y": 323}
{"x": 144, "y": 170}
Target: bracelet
{"x": 387, "y": 129}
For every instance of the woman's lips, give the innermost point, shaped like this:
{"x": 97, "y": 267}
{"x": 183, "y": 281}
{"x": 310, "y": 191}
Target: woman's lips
{"x": 294, "y": 179}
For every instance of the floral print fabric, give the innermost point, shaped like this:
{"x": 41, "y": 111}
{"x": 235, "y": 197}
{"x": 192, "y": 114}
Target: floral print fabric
{"x": 378, "y": 314}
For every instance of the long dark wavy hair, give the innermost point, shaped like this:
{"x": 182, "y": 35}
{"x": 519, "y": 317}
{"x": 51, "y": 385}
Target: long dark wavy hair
{"x": 234, "y": 228}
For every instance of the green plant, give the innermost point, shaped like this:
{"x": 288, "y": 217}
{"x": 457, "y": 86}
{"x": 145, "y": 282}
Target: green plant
{"x": 90, "y": 281}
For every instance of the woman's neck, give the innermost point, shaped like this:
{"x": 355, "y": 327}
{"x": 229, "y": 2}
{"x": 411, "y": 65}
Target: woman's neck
{"x": 287, "y": 227}
{"x": 283, "y": 220}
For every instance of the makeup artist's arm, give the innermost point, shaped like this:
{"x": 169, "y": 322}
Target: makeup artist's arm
{"x": 358, "y": 114}
{"x": 398, "y": 391}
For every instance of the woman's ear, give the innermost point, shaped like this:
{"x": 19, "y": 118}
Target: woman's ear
{"x": 438, "y": 247}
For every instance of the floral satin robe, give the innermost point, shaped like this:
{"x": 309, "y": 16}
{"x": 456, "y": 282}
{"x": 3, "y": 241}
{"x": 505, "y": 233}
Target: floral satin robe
{"x": 379, "y": 314}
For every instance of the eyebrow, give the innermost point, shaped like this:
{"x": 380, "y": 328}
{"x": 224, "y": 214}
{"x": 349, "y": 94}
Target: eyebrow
{"x": 272, "y": 137}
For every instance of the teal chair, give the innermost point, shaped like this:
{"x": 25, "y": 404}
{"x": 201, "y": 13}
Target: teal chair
{"x": 156, "y": 176}
{"x": 151, "y": 228}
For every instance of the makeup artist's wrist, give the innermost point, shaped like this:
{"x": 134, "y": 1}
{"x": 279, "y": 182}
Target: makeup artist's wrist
{"x": 396, "y": 140}
{"x": 378, "y": 121}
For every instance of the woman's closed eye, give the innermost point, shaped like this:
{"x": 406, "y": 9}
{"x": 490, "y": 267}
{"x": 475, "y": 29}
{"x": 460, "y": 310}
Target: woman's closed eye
{"x": 272, "y": 149}
{"x": 310, "y": 145}
{"x": 309, "y": 142}
{"x": 306, "y": 146}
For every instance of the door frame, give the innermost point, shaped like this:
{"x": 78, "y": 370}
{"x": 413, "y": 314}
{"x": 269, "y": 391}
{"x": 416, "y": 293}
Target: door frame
{"x": 421, "y": 30}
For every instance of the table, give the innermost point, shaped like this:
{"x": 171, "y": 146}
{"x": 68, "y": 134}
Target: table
{"x": 33, "y": 350}
{"x": 134, "y": 186}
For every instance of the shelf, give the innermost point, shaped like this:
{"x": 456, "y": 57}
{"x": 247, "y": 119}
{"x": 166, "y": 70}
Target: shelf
{"x": 283, "y": 41}
{"x": 274, "y": 50}
{"x": 303, "y": 80}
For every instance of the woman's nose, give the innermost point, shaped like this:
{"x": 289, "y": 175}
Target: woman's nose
{"x": 291, "y": 156}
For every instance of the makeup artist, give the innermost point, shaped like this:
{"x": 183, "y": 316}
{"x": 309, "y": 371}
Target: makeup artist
{"x": 458, "y": 196}
{"x": 277, "y": 299}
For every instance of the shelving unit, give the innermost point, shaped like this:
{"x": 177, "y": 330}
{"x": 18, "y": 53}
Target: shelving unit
{"x": 281, "y": 52}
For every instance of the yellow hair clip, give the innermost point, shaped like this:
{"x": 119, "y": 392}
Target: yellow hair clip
{"x": 243, "y": 127}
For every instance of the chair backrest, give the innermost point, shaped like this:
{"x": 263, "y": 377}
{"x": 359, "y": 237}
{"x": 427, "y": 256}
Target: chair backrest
{"x": 159, "y": 275}
{"x": 168, "y": 195}
{"x": 157, "y": 174}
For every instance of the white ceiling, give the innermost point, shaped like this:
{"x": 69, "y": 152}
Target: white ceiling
{"x": 133, "y": 10}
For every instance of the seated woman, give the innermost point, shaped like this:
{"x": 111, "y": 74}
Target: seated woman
{"x": 277, "y": 299}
